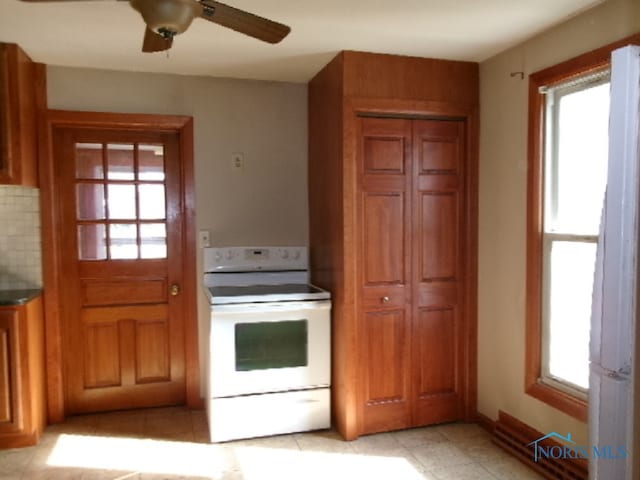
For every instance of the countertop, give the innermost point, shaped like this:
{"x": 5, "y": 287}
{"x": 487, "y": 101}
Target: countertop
{"x": 10, "y": 298}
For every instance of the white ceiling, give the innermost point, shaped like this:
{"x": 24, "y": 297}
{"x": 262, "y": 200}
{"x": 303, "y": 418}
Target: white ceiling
{"x": 108, "y": 34}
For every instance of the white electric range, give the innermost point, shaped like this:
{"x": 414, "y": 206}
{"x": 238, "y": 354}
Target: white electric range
{"x": 269, "y": 356}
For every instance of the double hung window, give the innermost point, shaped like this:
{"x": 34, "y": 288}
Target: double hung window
{"x": 568, "y": 152}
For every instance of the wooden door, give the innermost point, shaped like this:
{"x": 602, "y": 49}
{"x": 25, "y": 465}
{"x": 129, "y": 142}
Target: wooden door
{"x": 121, "y": 234}
{"x": 438, "y": 343}
{"x": 411, "y": 268}
{"x": 384, "y": 206}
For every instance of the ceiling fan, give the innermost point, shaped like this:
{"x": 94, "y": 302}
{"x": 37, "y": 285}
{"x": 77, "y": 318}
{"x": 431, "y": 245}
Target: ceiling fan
{"x": 167, "y": 18}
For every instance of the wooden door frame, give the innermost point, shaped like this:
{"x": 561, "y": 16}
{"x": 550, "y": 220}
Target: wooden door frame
{"x": 51, "y": 245}
{"x": 399, "y": 108}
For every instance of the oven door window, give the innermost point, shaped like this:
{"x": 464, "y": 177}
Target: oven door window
{"x": 265, "y": 345}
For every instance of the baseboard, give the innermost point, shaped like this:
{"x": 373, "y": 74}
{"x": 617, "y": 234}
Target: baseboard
{"x": 485, "y": 422}
{"x": 515, "y": 436}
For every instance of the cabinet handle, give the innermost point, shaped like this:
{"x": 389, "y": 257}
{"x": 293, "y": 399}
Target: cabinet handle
{"x": 385, "y": 299}
{"x": 174, "y": 290}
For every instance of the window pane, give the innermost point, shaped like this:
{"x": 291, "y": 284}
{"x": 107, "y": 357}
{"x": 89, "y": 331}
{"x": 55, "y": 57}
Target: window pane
{"x": 92, "y": 242}
{"x": 571, "y": 270}
{"x": 90, "y": 201}
{"x": 123, "y": 241}
{"x": 150, "y": 162}
{"x": 119, "y": 161}
{"x": 264, "y": 345}
{"x": 581, "y": 169}
{"x": 153, "y": 238}
{"x": 89, "y": 161}
{"x": 152, "y": 205}
{"x": 122, "y": 202}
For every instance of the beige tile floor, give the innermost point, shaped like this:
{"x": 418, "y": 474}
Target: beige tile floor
{"x": 172, "y": 443}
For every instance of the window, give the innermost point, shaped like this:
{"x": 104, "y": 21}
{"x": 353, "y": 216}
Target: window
{"x": 574, "y": 181}
{"x": 120, "y": 197}
{"x": 568, "y": 143}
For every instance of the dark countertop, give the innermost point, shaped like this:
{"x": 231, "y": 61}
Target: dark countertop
{"x": 18, "y": 297}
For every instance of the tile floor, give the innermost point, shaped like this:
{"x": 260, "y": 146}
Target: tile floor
{"x": 172, "y": 443}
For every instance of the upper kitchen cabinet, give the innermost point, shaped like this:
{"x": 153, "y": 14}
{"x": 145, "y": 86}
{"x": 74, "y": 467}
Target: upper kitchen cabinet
{"x": 22, "y": 95}
{"x": 393, "y": 222}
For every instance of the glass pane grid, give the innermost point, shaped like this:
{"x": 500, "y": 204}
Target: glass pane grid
{"x": 122, "y": 216}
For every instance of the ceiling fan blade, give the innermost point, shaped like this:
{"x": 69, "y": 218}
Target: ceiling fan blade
{"x": 155, "y": 43}
{"x": 243, "y": 22}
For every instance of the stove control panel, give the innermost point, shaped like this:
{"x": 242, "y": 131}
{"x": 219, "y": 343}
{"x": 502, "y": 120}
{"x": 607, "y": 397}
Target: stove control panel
{"x": 240, "y": 259}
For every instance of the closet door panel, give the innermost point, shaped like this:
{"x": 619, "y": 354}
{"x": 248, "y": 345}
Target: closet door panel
{"x": 437, "y": 337}
{"x": 384, "y": 249}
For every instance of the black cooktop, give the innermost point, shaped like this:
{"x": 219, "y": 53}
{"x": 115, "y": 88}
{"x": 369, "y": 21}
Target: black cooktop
{"x": 266, "y": 293}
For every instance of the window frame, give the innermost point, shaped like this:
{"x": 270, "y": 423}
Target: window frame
{"x": 585, "y": 64}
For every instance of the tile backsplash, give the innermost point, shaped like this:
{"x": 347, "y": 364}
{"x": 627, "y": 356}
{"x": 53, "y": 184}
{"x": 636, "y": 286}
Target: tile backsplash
{"x": 20, "y": 242}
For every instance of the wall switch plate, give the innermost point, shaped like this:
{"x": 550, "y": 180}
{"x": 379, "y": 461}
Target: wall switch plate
{"x": 237, "y": 161}
{"x": 205, "y": 239}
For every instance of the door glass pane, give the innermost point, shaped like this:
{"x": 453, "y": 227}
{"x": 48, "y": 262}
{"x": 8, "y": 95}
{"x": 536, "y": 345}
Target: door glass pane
{"x": 150, "y": 162}
{"x": 152, "y": 203}
{"x": 122, "y": 202}
{"x": 123, "y": 241}
{"x": 89, "y": 161}
{"x": 581, "y": 164}
{"x": 90, "y": 201}
{"x": 92, "y": 242}
{"x": 153, "y": 240}
{"x": 120, "y": 161}
{"x": 571, "y": 285}
{"x": 265, "y": 345}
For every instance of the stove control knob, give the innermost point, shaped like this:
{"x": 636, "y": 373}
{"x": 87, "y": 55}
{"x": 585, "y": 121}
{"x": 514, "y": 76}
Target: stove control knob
{"x": 296, "y": 254}
{"x": 285, "y": 254}
{"x": 229, "y": 255}
{"x": 218, "y": 256}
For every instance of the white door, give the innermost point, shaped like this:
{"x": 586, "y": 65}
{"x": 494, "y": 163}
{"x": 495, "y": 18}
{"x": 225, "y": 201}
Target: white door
{"x": 611, "y": 400}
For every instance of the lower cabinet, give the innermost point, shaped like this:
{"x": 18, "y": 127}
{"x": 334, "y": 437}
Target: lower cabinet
{"x": 22, "y": 374}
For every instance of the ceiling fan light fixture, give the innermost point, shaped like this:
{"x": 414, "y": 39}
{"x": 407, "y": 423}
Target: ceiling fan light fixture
{"x": 163, "y": 16}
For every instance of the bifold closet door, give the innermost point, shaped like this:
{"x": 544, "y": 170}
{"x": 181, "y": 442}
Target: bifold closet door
{"x": 384, "y": 213}
{"x": 438, "y": 343}
{"x": 410, "y": 270}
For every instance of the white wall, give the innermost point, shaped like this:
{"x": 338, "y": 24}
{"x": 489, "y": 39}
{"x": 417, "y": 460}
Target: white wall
{"x": 502, "y": 236}
{"x": 265, "y": 203}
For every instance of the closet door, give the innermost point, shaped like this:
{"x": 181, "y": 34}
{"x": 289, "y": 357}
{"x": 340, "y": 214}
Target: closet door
{"x": 384, "y": 263}
{"x": 438, "y": 342}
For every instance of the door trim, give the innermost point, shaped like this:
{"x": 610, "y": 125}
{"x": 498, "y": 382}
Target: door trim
{"x": 52, "y": 267}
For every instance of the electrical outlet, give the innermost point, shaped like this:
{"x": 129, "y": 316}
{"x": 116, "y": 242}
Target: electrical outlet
{"x": 237, "y": 161}
{"x": 205, "y": 239}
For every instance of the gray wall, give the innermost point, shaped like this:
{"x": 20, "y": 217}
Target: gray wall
{"x": 263, "y": 204}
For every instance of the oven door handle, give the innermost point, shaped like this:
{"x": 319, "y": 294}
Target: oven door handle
{"x": 271, "y": 306}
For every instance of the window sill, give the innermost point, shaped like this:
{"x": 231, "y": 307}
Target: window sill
{"x": 576, "y": 407}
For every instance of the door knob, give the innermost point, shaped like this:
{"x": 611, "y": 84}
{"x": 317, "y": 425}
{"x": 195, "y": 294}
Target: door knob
{"x": 174, "y": 290}
{"x": 385, "y": 299}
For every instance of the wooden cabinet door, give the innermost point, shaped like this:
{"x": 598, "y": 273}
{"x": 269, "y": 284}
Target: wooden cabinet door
{"x": 11, "y": 380}
{"x": 384, "y": 214}
{"x": 438, "y": 344}
{"x": 21, "y": 93}
{"x": 123, "y": 330}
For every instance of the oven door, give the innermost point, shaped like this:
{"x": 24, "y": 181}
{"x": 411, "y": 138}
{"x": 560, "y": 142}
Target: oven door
{"x": 269, "y": 347}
